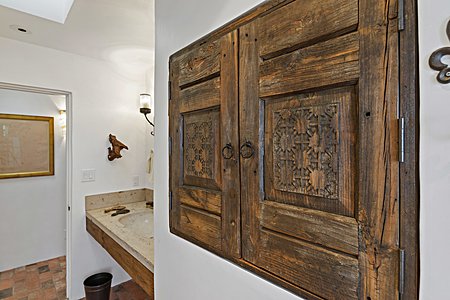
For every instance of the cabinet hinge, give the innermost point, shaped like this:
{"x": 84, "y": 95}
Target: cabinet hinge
{"x": 170, "y": 90}
{"x": 401, "y": 142}
{"x": 170, "y": 200}
{"x": 170, "y": 145}
{"x": 401, "y": 287}
{"x": 401, "y": 15}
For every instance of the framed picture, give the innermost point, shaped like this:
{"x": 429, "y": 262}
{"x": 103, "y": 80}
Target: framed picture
{"x": 26, "y": 146}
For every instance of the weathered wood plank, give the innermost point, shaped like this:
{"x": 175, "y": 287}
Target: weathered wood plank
{"x": 378, "y": 181}
{"x": 229, "y": 134}
{"x": 327, "y": 63}
{"x": 322, "y": 272}
{"x": 333, "y": 231}
{"x": 201, "y": 226}
{"x": 249, "y": 118}
{"x": 200, "y": 63}
{"x": 305, "y": 22}
{"x": 210, "y": 201}
{"x": 409, "y": 170}
{"x": 140, "y": 274}
{"x": 202, "y": 96}
{"x": 176, "y": 137}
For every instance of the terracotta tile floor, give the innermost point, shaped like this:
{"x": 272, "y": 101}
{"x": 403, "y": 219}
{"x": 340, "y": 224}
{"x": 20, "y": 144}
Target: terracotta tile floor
{"x": 129, "y": 291}
{"x": 46, "y": 280}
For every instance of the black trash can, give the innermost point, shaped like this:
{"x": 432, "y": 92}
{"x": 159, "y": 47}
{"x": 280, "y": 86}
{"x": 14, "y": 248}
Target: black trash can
{"x": 98, "y": 286}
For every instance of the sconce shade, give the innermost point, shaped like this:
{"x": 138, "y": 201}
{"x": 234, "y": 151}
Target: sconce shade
{"x": 146, "y": 108}
{"x": 62, "y": 117}
{"x": 62, "y": 121}
{"x": 146, "y": 101}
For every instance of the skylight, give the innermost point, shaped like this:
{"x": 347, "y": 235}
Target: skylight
{"x": 54, "y": 10}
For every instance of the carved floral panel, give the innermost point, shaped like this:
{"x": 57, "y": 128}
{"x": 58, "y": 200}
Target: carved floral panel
{"x": 198, "y": 148}
{"x": 306, "y": 149}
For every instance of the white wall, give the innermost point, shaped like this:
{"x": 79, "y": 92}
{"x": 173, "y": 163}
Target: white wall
{"x": 104, "y": 102}
{"x": 40, "y": 201}
{"x": 177, "y": 25}
{"x": 434, "y": 154}
{"x": 182, "y": 270}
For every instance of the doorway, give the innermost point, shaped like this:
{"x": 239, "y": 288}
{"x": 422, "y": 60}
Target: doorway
{"x": 35, "y": 222}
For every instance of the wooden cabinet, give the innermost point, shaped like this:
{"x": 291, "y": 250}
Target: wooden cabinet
{"x": 204, "y": 117}
{"x": 284, "y": 155}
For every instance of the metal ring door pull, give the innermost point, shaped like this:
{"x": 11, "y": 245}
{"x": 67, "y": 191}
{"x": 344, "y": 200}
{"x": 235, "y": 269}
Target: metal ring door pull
{"x": 247, "y": 150}
{"x": 227, "y": 151}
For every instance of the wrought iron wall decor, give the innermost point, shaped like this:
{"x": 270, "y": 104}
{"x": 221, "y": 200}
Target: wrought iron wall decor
{"x": 437, "y": 64}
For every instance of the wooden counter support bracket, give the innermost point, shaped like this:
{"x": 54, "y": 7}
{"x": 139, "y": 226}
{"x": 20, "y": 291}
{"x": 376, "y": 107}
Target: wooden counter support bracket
{"x": 140, "y": 274}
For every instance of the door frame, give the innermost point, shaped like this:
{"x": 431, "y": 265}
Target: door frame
{"x": 68, "y": 96}
{"x": 408, "y": 109}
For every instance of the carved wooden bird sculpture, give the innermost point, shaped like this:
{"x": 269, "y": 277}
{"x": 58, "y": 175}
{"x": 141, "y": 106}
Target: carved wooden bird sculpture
{"x": 117, "y": 146}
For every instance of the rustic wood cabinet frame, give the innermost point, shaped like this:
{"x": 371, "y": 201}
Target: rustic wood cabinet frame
{"x": 408, "y": 258}
{"x": 409, "y": 170}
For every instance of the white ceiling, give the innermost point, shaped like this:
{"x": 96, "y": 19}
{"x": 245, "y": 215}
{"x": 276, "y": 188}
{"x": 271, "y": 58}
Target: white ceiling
{"x": 118, "y": 31}
{"x": 55, "y": 10}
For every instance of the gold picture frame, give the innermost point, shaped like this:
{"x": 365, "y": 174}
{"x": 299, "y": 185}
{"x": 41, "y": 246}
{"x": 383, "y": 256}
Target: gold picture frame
{"x": 26, "y": 146}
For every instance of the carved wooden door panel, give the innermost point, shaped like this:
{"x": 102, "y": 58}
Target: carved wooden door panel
{"x": 204, "y": 168}
{"x": 318, "y": 92}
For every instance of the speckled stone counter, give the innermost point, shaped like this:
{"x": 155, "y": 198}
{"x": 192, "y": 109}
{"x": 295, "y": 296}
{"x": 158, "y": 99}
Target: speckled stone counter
{"x": 136, "y": 242}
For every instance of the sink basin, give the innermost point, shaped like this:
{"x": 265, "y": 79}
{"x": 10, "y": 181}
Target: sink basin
{"x": 139, "y": 222}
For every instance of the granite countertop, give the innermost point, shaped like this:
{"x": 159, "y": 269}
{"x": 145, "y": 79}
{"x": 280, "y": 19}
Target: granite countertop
{"x": 138, "y": 245}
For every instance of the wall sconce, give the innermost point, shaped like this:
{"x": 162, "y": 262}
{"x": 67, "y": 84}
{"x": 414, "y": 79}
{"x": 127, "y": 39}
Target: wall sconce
{"x": 146, "y": 104}
{"x": 62, "y": 122}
